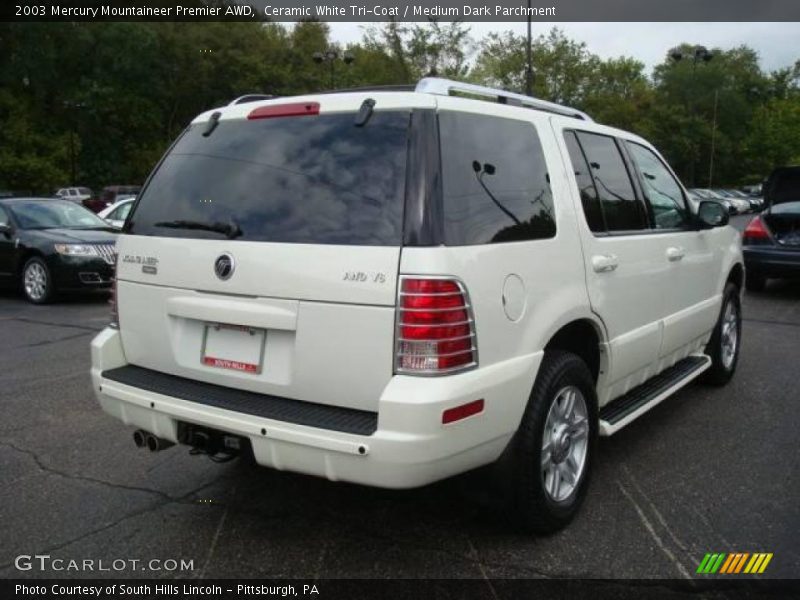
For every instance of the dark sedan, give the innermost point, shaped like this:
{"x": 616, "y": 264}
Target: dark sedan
{"x": 771, "y": 241}
{"x": 49, "y": 246}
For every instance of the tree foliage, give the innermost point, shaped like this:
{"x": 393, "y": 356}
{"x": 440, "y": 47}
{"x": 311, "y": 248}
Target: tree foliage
{"x": 112, "y": 96}
{"x": 750, "y": 115}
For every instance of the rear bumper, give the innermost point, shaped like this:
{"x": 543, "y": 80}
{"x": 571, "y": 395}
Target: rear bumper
{"x": 409, "y": 448}
{"x": 772, "y": 261}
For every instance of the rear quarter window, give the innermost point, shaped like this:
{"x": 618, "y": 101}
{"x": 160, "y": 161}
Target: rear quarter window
{"x": 310, "y": 179}
{"x": 495, "y": 184}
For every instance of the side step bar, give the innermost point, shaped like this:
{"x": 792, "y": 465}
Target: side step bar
{"x": 619, "y": 412}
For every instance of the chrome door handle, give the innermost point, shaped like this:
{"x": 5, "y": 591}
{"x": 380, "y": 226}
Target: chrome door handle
{"x": 675, "y": 253}
{"x": 604, "y": 263}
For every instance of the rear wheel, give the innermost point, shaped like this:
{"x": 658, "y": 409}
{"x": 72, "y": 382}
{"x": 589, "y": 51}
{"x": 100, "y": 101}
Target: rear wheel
{"x": 723, "y": 347}
{"x": 37, "y": 284}
{"x": 755, "y": 282}
{"x": 552, "y": 453}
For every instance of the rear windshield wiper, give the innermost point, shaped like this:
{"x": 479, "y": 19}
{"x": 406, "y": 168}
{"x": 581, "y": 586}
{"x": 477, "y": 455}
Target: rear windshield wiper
{"x": 230, "y": 229}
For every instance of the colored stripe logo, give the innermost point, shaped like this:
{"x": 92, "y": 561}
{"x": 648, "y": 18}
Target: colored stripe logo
{"x": 734, "y": 563}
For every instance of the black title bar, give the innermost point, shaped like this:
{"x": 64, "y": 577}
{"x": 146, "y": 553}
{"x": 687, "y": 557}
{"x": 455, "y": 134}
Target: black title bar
{"x": 400, "y": 10}
{"x": 407, "y": 589}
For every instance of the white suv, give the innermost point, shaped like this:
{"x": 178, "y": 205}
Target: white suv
{"x": 393, "y": 287}
{"x": 75, "y": 194}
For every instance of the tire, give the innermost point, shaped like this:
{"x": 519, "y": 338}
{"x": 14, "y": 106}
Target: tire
{"x": 37, "y": 282}
{"x": 724, "y": 357}
{"x": 539, "y": 505}
{"x": 755, "y": 282}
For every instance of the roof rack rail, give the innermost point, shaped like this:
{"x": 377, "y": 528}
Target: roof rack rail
{"x": 446, "y": 87}
{"x": 373, "y": 88}
{"x": 250, "y": 98}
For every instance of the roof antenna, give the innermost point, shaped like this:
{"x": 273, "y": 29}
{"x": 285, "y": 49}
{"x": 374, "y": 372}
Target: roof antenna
{"x": 365, "y": 112}
{"x": 213, "y": 121}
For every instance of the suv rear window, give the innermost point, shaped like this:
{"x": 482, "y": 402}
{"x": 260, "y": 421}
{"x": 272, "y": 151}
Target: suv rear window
{"x": 310, "y": 179}
{"x": 494, "y": 180}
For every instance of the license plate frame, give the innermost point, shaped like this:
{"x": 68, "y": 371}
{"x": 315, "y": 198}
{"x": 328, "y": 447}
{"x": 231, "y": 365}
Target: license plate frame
{"x": 218, "y": 336}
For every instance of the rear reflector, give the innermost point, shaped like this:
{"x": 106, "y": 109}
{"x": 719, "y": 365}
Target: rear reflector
{"x": 755, "y": 232}
{"x": 462, "y": 412}
{"x": 435, "y": 329}
{"x": 296, "y": 109}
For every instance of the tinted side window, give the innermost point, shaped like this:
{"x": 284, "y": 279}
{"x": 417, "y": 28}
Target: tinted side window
{"x": 621, "y": 209}
{"x": 663, "y": 192}
{"x": 494, "y": 180}
{"x": 589, "y": 198}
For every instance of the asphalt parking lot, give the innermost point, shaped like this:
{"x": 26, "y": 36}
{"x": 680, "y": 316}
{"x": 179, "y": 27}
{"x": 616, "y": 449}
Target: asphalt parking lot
{"x": 710, "y": 470}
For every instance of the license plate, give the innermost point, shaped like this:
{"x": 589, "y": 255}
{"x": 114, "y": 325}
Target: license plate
{"x": 233, "y": 347}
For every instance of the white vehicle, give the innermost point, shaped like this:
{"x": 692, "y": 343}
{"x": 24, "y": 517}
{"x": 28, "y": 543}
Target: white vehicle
{"x": 390, "y": 288}
{"x": 75, "y": 194}
{"x": 116, "y": 214}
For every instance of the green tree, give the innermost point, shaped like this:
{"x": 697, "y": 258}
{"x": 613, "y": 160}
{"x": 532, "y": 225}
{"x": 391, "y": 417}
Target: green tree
{"x": 561, "y": 66}
{"x": 697, "y": 101}
{"x": 614, "y": 91}
{"x": 114, "y": 95}
{"x": 415, "y": 50}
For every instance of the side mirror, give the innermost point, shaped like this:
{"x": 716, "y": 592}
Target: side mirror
{"x": 5, "y": 228}
{"x": 711, "y": 214}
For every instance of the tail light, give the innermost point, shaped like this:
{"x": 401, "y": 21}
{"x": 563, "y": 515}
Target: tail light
{"x": 756, "y": 232}
{"x": 112, "y": 301}
{"x": 435, "y": 328}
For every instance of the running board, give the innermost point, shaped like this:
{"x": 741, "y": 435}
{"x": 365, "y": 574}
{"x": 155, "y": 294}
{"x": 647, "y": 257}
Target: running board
{"x": 619, "y": 412}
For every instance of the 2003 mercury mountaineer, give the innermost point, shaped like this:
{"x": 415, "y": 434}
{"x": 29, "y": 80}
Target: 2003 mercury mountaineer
{"x": 393, "y": 287}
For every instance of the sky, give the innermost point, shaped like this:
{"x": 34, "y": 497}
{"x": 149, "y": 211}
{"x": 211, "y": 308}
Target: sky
{"x": 778, "y": 44}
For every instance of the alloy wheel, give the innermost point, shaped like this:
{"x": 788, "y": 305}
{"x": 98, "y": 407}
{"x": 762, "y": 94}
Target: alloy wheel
{"x": 35, "y": 281}
{"x": 729, "y": 335}
{"x": 565, "y": 443}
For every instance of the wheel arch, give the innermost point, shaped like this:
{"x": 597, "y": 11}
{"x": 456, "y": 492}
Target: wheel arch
{"x": 584, "y": 337}
{"x": 26, "y": 255}
{"x": 736, "y": 276}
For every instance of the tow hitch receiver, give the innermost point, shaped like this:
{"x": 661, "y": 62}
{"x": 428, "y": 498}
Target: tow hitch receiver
{"x": 217, "y": 445}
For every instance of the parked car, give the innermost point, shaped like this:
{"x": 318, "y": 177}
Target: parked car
{"x": 114, "y": 193}
{"x": 741, "y": 205}
{"x": 748, "y": 203}
{"x": 752, "y": 202}
{"x": 49, "y": 246}
{"x": 390, "y": 288}
{"x": 756, "y": 204}
{"x": 81, "y": 195}
{"x": 74, "y": 194}
{"x": 771, "y": 241}
{"x": 705, "y": 194}
{"x": 116, "y": 214}
{"x": 753, "y": 190}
